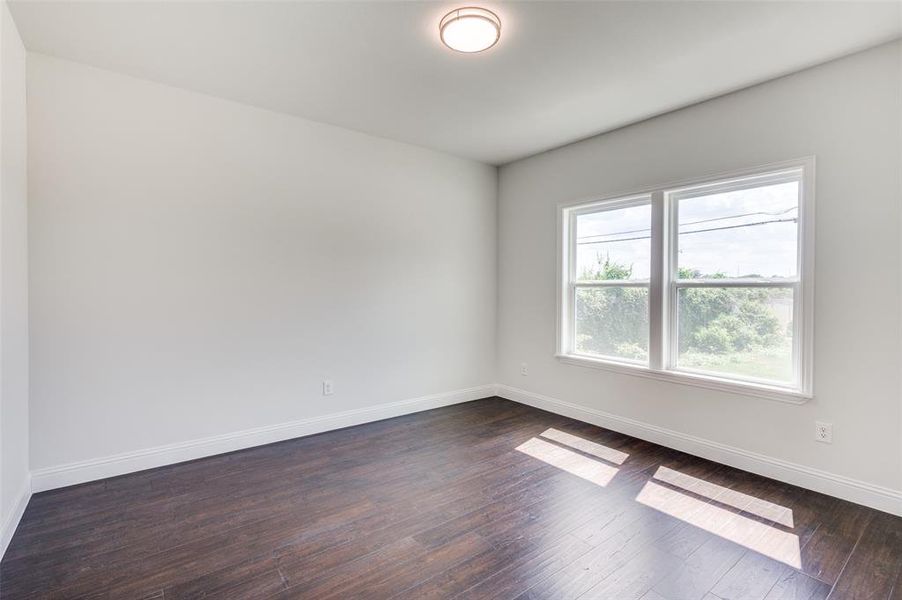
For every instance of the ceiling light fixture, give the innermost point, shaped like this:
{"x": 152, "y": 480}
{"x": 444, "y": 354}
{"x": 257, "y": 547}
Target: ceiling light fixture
{"x": 470, "y": 29}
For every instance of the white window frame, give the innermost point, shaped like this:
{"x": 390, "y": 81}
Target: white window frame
{"x": 664, "y": 285}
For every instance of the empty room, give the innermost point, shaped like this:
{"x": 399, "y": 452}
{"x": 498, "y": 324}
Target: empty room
{"x": 550, "y": 299}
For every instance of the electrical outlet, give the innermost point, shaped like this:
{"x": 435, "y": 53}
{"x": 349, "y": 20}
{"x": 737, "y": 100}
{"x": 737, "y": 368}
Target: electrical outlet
{"x": 327, "y": 388}
{"x": 524, "y": 369}
{"x": 823, "y": 432}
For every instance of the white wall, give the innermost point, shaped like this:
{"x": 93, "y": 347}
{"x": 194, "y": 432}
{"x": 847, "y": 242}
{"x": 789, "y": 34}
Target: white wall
{"x": 14, "y": 469}
{"x": 847, "y": 113}
{"x": 198, "y": 267}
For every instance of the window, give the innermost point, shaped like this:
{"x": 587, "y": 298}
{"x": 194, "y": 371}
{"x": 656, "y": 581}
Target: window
{"x": 611, "y": 285}
{"x": 707, "y": 283}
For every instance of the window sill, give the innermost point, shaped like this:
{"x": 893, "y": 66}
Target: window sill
{"x": 698, "y": 380}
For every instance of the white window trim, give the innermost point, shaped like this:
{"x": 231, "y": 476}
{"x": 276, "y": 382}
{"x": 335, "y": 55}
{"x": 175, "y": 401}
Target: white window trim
{"x": 662, "y": 319}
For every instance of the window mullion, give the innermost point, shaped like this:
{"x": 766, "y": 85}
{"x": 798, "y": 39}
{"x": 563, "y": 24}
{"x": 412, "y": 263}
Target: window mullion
{"x": 574, "y": 290}
{"x": 657, "y": 284}
{"x": 798, "y": 337}
{"x": 670, "y": 294}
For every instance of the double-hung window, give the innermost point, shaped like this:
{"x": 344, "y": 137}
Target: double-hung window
{"x": 708, "y": 282}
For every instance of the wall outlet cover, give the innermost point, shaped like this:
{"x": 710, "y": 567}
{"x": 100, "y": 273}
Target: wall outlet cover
{"x": 823, "y": 432}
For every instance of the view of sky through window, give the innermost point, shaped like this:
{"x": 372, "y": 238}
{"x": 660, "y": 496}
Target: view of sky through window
{"x": 744, "y": 233}
{"x": 738, "y": 234}
{"x": 619, "y": 237}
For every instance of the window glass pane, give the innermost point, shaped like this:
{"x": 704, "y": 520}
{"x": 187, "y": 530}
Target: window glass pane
{"x": 612, "y": 321}
{"x": 614, "y": 244}
{"x": 746, "y": 332}
{"x": 744, "y": 233}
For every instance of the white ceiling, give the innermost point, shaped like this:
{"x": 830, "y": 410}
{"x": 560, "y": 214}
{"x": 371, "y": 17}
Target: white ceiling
{"x": 561, "y": 72}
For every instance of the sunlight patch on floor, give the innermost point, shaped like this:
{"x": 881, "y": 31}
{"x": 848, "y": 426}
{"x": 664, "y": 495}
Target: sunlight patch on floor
{"x": 567, "y": 460}
{"x": 589, "y": 447}
{"x": 744, "y": 502}
{"x": 754, "y": 535}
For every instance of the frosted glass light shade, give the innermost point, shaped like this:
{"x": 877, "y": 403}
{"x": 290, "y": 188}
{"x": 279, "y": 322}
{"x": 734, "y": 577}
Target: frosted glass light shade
{"x": 470, "y": 29}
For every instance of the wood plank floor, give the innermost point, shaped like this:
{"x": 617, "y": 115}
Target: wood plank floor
{"x": 488, "y": 499}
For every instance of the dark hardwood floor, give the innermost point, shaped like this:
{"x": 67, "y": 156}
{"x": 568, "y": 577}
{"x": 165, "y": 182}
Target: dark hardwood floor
{"x": 488, "y": 499}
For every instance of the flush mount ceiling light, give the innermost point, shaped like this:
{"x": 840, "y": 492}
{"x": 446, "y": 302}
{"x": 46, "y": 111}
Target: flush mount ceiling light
{"x": 470, "y": 29}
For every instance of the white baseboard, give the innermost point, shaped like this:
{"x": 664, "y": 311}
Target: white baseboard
{"x": 129, "y": 462}
{"x": 12, "y": 519}
{"x": 860, "y": 492}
